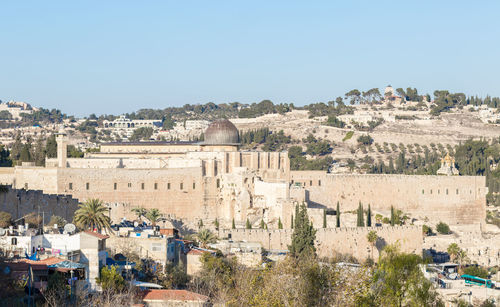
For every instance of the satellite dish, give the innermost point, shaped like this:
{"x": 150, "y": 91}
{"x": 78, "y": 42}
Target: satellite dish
{"x": 2, "y": 232}
{"x": 136, "y": 224}
{"x": 69, "y": 228}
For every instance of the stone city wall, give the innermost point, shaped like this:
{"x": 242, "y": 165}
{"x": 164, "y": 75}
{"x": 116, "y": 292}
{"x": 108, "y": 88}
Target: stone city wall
{"x": 176, "y": 192}
{"x": 20, "y": 202}
{"x": 482, "y": 248}
{"x": 453, "y": 199}
{"x": 331, "y": 242}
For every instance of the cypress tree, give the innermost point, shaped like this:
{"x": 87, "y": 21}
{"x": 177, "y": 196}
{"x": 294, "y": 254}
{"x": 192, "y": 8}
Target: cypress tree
{"x": 324, "y": 218}
{"x": 303, "y": 236}
{"x": 25, "y": 155}
{"x": 291, "y": 222}
{"x": 361, "y": 219}
{"x": 51, "y": 147}
{"x": 262, "y": 224}
{"x": 233, "y": 225}
{"x": 39, "y": 153}
{"x": 296, "y": 212}
{"x": 369, "y": 216}
{"x": 357, "y": 217}
{"x": 280, "y": 224}
{"x": 338, "y": 214}
{"x": 358, "y": 221}
{"x": 393, "y": 218}
{"x": 15, "y": 151}
{"x": 216, "y": 222}
{"x": 248, "y": 225}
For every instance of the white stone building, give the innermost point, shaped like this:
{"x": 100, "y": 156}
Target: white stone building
{"x": 88, "y": 248}
{"x": 16, "y": 108}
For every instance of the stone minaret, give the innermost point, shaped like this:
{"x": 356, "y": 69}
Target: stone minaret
{"x": 62, "y": 148}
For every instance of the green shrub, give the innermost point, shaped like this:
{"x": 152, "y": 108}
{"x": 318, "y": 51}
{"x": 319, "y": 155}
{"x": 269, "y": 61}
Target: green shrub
{"x": 365, "y": 139}
{"x": 427, "y": 230}
{"x": 443, "y": 228}
{"x": 335, "y": 122}
{"x": 476, "y": 271}
{"x": 110, "y": 279}
{"x": 348, "y": 136}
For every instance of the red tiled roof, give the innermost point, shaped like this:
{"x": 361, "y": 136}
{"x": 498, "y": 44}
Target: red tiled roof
{"x": 196, "y": 252}
{"x": 96, "y": 234}
{"x": 24, "y": 266}
{"x": 173, "y": 295}
{"x": 48, "y": 261}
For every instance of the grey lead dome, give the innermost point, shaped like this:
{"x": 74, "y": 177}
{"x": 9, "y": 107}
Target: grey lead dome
{"x": 221, "y": 132}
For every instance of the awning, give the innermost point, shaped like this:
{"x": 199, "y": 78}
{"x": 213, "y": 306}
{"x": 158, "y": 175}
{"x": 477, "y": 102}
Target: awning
{"x": 66, "y": 266}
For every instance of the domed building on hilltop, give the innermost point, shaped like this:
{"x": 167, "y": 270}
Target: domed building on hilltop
{"x": 221, "y": 132}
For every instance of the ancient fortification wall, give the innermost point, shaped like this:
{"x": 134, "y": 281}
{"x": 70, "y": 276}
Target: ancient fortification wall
{"x": 336, "y": 241}
{"x": 454, "y": 199}
{"x": 175, "y": 192}
{"x": 19, "y": 202}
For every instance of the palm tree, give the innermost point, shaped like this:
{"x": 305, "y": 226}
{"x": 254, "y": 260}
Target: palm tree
{"x": 372, "y": 238}
{"x": 453, "y": 250}
{"x": 93, "y": 214}
{"x": 205, "y": 237}
{"x": 153, "y": 215}
{"x": 462, "y": 258}
{"x": 140, "y": 212}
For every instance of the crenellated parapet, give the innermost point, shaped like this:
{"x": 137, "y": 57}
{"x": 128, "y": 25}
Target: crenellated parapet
{"x": 20, "y": 202}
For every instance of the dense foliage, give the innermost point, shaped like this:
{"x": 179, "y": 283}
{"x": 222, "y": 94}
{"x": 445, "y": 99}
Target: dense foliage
{"x": 28, "y": 152}
{"x": 209, "y": 111}
{"x": 110, "y": 279}
{"x": 303, "y": 235}
{"x": 476, "y": 271}
{"x": 53, "y": 116}
{"x": 141, "y": 134}
{"x": 270, "y": 141}
{"x": 444, "y": 101}
{"x": 365, "y": 139}
{"x": 334, "y": 122}
{"x": 331, "y": 109}
{"x": 298, "y": 160}
{"x": 443, "y": 228}
{"x": 396, "y": 281}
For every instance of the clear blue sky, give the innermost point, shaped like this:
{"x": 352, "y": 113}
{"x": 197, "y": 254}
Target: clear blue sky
{"x": 120, "y": 56}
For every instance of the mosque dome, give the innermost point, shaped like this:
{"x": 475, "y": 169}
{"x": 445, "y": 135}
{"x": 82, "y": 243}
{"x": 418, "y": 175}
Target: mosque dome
{"x": 221, "y": 132}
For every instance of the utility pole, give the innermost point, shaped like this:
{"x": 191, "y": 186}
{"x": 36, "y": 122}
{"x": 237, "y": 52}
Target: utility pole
{"x": 43, "y": 218}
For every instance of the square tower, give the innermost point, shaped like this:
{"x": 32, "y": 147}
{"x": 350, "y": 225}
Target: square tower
{"x": 62, "y": 148}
